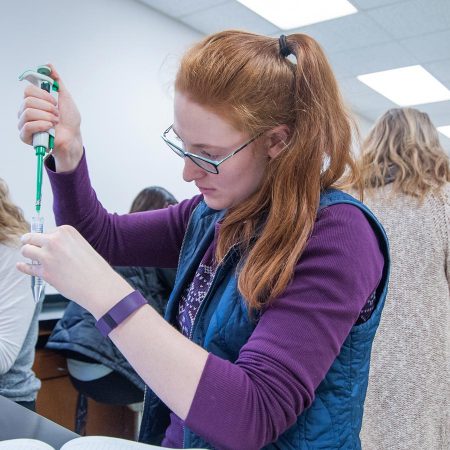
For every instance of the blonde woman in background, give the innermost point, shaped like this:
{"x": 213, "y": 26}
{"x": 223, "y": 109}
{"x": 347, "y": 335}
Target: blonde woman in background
{"x": 18, "y": 312}
{"x": 406, "y": 176}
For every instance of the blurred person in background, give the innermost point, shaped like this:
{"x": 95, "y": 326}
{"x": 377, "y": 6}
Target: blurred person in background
{"x": 18, "y": 311}
{"x": 406, "y": 176}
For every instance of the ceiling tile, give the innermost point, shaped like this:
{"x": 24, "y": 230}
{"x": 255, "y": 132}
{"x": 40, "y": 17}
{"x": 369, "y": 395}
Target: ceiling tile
{"x": 179, "y": 8}
{"x": 438, "y": 111}
{"x": 363, "y": 5}
{"x": 353, "y": 31}
{"x": 232, "y": 15}
{"x": 371, "y": 59}
{"x": 445, "y": 142}
{"x": 352, "y": 86}
{"x": 440, "y": 70}
{"x": 369, "y": 101}
{"x": 374, "y": 112}
{"x": 430, "y": 47}
{"x": 413, "y": 18}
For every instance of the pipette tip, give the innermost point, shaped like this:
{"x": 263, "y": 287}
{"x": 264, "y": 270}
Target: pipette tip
{"x": 38, "y": 290}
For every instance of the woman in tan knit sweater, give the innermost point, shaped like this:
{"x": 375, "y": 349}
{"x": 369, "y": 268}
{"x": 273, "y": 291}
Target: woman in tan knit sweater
{"x": 406, "y": 175}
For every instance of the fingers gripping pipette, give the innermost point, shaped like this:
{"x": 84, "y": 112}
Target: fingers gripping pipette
{"x": 42, "y": 142}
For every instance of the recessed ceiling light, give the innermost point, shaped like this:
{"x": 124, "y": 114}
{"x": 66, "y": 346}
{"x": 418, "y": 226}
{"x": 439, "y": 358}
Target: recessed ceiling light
{"x": 411, "y": 85}
{"x": 289, "y": 14}
{"x": 445, "y": 130}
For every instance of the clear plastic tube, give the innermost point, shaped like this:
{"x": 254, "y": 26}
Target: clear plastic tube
{"x": 37, "y": 283}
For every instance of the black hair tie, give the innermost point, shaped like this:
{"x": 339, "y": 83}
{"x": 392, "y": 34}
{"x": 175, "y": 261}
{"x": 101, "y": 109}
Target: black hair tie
{"x": 284, "y": 47}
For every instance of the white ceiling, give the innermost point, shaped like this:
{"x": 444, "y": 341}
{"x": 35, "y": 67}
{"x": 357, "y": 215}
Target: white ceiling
{"x": 384, "y": 34}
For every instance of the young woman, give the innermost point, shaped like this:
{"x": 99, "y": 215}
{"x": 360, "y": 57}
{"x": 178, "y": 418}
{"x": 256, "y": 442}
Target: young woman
{"x": 18, "y": 312}
{"x": 406, "y": 175}
{"x": 281, "y": 280}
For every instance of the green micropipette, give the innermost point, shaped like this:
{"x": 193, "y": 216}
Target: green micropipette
{"x": 51, "y": 87}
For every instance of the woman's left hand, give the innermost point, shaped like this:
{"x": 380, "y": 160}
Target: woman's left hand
{"x": 73, "y": 268}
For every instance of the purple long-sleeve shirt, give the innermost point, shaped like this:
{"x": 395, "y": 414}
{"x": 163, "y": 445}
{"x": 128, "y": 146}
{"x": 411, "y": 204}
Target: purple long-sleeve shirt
{"x": 248, "y": 403}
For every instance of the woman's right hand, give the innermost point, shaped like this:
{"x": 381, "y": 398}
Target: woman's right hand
{"x": 39, "y": 112}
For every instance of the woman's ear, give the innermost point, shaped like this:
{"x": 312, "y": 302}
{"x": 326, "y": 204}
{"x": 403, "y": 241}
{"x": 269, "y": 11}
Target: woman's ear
{"x": 277, "y": 139}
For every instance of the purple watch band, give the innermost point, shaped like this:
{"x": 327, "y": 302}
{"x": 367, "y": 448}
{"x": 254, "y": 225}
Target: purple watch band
{"x": 119, "y": 312}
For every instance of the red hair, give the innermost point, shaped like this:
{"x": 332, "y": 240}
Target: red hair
{"x": 243, "y": 77}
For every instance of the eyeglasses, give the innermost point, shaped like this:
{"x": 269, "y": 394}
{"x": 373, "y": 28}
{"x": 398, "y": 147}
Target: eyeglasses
{"x": 210, "y": 165}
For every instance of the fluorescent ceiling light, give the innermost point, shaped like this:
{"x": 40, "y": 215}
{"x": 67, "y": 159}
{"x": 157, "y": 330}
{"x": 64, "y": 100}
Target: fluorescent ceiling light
{"x": 288, "y": 14}
{"x": 445, "y": 130}
{"x": 411, "y": 85}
